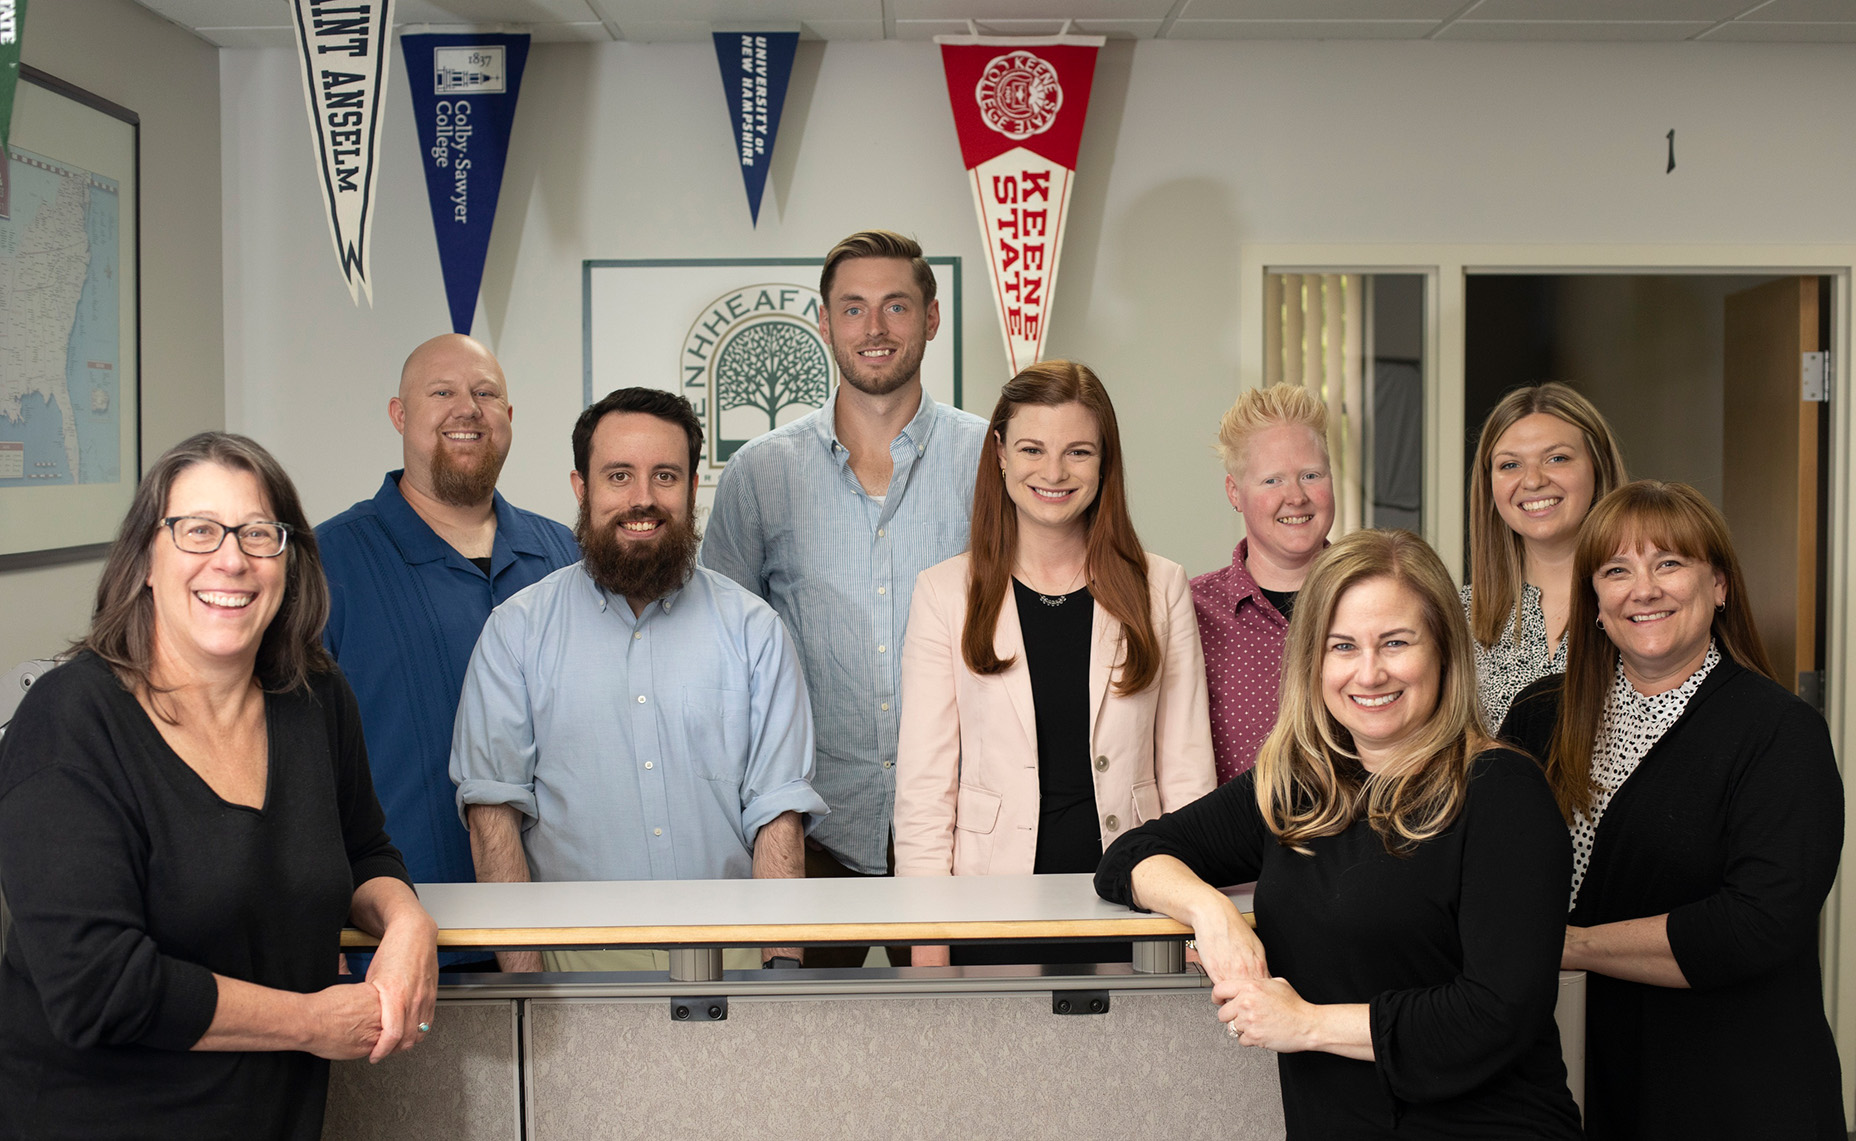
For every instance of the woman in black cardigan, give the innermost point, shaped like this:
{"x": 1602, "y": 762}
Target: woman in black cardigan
{"x": 1707, "y": 819}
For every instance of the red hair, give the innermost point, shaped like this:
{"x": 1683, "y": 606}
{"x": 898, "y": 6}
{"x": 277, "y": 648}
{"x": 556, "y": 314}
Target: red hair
{"x": 1115, "y": 568}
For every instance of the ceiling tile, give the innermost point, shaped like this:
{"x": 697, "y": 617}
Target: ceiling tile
{"x": 1748, "y": 32}
{"x": 1640, "y": 30}
{"x": 1649, "y": 11}
{"x": 998, "y": 11}
{"x": 222, "y": 13}
{"x": 1301, "y": 29}
{"x": 1113, "y": 29}
{"x": 279, "y": 37}
{"x": 1366, "y": 10}
{"x": 1834, "y": 11}
{"x": 580, "y": 32}
{"x": 491, "y": 12}
{"x": 841, "y": 29}
{"x": 663, "y": 31}
{"x": 705, "y": 12}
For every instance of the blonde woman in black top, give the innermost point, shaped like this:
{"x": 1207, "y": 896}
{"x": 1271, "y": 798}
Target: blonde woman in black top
{"x": 1410, "y": 874}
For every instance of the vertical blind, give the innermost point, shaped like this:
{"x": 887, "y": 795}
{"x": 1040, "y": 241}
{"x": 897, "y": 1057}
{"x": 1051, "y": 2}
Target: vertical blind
{"x": 1314, "y": 336}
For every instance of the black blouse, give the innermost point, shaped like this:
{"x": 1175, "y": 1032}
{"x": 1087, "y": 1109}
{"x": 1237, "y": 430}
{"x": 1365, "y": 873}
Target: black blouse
{"x": 1732, "y": 825}
{"x": 1455, "y": 947}
{"x": 132, "y": 883}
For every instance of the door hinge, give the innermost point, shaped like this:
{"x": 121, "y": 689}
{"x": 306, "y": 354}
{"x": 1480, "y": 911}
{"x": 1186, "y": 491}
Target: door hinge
{"x": 1811, "y": 688}
{"x": 1815, "y": 388}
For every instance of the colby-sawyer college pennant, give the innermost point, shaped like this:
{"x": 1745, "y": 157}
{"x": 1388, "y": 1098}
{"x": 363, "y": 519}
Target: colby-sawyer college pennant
{"x": 1019, "y": 104}
{"x": 344, "y": 48}
{"x": 755, "y": 69}
{"x": 464, "y": 89}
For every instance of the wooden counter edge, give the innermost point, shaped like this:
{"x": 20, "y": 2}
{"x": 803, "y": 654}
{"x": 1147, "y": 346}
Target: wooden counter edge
{"x": 787, "y": 934}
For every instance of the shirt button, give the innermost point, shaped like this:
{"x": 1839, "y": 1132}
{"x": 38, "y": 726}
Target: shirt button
{"x": 882, "y": 590}
{"x": 889, "y": 764}
{"x": 647, "y": 764}
{"x": 657, "y": 831}
{"x": 1101, "y": 764}
{"x": 886, "y": 707}
{"x": 1112, "y": 823}
{"x": 637, "y": 634}
{"x": 879, "y": 532}
{"x": 882, "y": 649}
{"x": 641, "y": 699}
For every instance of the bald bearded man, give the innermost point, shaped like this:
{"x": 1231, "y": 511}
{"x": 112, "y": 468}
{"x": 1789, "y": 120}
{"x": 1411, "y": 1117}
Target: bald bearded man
{"x": 413, "y": 575}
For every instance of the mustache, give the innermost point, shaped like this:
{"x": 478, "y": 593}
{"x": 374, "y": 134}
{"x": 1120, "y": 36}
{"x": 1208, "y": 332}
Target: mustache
{"x": 641, "y": 515}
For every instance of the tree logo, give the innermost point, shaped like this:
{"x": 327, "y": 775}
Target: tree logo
{"x": 756, "y": 354}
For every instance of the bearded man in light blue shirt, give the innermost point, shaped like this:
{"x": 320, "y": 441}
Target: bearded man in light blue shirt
{"x": 831, "y": 517}
{"x": 634, "y": 716}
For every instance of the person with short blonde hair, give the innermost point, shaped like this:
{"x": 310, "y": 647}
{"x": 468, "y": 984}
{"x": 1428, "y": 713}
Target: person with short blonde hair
{"x": 1273, "y": 442}
{"x": 1544, "y": 457}
{"x": 1408, "y": 872}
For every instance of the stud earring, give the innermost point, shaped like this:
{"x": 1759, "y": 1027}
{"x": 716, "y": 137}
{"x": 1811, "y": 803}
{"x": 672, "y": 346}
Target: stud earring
{"x": 1601, "y": 623}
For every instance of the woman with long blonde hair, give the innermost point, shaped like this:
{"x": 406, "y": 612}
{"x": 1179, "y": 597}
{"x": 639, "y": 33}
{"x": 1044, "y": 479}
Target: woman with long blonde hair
{"x": 1053, "y": 692}
{"x": 1409, "y": 874}
{"x": 1544, "y": 457}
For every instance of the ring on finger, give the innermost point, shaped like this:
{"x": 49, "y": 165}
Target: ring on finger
{"x": 425, "y": 1027}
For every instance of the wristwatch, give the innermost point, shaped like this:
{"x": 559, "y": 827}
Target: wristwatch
{"x": 780, "y": 963}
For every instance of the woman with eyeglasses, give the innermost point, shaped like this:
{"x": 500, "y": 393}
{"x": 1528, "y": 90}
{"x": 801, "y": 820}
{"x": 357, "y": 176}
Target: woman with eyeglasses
{"x": 186, "y": 824}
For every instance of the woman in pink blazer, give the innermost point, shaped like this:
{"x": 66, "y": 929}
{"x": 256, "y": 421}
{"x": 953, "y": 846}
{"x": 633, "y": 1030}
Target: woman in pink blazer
{"x": 1053, "y": 688}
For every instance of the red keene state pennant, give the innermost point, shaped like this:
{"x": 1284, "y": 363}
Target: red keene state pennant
{"x": 1019, "y": 104}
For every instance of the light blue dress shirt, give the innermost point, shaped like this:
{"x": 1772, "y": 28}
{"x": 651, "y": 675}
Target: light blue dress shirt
{"x": 792, "y": 524}
{"x": 647, "y": 747}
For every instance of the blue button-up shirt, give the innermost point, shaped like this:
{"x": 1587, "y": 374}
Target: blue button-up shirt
{"x": 649, "y": 746}
{"x": 406, "y": 609}
{"x": 792, "y": 524}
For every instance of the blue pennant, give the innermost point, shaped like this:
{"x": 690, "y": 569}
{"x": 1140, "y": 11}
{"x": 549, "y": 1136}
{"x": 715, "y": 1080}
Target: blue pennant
{"x": 464, "y": 89}
{"x": 755, "y": 69}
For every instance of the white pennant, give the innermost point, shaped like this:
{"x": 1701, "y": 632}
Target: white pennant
{"x": 343, "y": 44}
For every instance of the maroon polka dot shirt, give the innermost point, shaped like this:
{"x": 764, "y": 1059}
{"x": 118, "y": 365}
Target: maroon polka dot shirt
{"x": 1243, "y": 637}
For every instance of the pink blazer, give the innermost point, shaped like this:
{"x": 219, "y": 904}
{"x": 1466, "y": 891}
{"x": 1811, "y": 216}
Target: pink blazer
{"x": 967, "y": 763}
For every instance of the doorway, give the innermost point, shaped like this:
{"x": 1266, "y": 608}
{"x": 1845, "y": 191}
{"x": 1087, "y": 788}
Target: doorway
{"x": 1700, "y": 377}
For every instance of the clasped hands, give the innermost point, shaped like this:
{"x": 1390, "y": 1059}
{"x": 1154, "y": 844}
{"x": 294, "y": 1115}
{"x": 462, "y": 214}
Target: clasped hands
{"x": 381, "y": 1015}
{"x": 1257, "y": 1009}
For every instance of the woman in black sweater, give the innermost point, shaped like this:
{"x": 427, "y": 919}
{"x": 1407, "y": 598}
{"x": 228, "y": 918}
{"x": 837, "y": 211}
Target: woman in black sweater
{"x": 1707, "y": 820}
{"x": 1410, "y": 875}
{"x": 186, "y": 823}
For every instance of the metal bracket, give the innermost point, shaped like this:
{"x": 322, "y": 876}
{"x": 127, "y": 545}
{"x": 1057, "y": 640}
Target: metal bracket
{"x": 710, "y": 1009}
{"x": 1079, "y": 1002}
{"x": 1814, "y": 378}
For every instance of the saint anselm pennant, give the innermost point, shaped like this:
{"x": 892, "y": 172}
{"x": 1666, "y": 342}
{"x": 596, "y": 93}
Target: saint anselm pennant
{"x": 344, "y": 48}
{"x": 1019, "y": 104}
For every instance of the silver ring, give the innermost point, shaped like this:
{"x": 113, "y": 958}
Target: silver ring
{"x": 425, "y": 1027}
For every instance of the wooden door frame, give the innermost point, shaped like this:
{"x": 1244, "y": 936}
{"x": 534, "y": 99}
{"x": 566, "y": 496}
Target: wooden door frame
{"x": 1445, "y": 267}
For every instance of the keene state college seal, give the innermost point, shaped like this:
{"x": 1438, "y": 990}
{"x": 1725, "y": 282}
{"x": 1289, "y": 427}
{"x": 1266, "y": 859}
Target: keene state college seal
{"x": 1019, "y": 95}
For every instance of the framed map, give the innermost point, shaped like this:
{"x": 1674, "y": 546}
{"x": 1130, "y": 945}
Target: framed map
{"x": 738, "y": 337}
{"x": 70, "y": 412}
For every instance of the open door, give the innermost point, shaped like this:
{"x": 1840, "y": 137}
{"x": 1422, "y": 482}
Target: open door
{"x": 1771, "y": 460}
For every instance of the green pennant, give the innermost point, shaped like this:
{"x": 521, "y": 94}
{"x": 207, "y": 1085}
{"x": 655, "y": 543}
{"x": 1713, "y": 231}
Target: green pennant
{"x": 12, "y": 24}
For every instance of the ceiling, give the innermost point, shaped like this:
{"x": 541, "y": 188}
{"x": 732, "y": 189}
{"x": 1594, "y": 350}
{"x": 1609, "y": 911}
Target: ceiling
{"x": 263, "y": 23}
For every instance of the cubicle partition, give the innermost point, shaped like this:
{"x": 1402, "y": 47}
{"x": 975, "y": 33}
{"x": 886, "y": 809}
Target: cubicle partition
{"x": 1074, "y": 1052}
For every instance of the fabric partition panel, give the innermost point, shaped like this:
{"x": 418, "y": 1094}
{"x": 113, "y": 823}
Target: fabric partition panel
{"x": 1019, "y": 104}
{"x": 464, "y": 88}
{"x": 343, "y": 45}
{"x": 12, "y": 22}
{"x": 756, "y": 67}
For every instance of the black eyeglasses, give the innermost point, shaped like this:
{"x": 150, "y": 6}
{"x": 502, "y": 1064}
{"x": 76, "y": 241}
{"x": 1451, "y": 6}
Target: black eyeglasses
{"x": 199, "y": 536}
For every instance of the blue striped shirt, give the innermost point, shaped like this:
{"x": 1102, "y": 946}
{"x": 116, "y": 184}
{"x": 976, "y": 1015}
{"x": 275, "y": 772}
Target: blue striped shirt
{"x": 792, "y": 524}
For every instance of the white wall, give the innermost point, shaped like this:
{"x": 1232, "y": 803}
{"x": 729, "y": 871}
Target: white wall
{"x": 1192, "y": 148}
{"x": 169, "y": 77}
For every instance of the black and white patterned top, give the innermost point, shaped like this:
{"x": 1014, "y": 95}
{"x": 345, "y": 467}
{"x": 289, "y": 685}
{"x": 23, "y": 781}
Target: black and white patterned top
{"x": 1510, "y": 665}
{"x": 1631, "y": 727}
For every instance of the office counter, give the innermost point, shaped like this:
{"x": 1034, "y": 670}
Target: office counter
{"x": 1008, "y": 1052}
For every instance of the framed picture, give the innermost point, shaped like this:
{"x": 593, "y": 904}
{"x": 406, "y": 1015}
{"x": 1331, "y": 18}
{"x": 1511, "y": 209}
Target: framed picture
{"x": 70, "y": 333}
{"x": 738, "y": 337}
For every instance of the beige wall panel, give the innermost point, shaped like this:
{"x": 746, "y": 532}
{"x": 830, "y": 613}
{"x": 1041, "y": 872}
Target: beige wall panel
{"x": 459, "y": 1085}
{"x": 854, "y": 1069}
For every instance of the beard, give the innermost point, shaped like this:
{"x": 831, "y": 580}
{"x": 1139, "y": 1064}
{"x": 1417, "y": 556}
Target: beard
{"x": 639, "y": 571}
{"x": 906, "y": 365}
{"x": 466, "y": 482}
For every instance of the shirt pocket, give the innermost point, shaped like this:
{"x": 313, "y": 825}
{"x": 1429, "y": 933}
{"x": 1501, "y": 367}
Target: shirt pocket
{"x": 976, "y": 809}
{"x": 715, "y": 733}
{"x": 1146, "y": 802}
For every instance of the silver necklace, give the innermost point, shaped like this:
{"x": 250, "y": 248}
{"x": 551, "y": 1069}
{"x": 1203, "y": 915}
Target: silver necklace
{"x": 1061, "y": 598}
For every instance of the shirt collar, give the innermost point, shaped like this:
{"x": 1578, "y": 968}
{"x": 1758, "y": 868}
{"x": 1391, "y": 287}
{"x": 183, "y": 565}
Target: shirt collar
{"x": 1239, "y": 582}
{"x": 916, "y": 431}
{"x": 618, "y": 604}
{"x": 418, "y": 543}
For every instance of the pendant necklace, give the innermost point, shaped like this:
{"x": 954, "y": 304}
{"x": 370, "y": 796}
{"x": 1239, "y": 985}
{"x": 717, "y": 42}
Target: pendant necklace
{"x": 1060, "y": 599}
